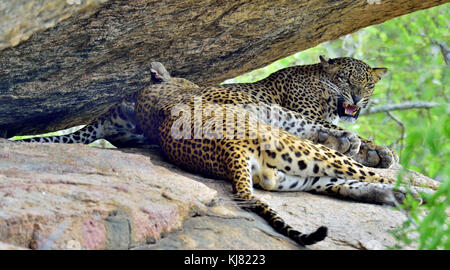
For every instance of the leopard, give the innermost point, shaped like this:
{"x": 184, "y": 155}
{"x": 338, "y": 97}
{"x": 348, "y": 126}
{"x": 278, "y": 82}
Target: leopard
{"x": 251, "y": 151}
{"x": 214, "y": 131}
{"x": 313, "y": 97}
{"x": 322, "y": 94}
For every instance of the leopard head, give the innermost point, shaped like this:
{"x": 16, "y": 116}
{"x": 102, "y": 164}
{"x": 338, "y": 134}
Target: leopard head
{"x": 352, "y": 82}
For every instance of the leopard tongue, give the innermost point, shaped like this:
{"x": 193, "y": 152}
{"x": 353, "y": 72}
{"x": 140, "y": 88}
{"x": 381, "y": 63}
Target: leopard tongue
{"x": 350, "y": 109}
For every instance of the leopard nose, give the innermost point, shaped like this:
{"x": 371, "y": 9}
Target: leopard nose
{"x": 356, "y": 99}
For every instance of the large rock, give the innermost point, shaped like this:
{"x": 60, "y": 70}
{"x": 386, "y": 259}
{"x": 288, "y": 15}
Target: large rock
{"x": 55, "y": 196}
{"x": 64, "y": 61}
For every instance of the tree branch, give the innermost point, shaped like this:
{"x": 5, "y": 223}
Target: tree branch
{"x": 402, "y": 127}
{"x": 399, "y": 107}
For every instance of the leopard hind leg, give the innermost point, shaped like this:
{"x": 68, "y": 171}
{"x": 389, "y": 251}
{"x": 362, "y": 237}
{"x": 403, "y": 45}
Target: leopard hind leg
{"x": 299, "y": 165}
{"x": 240, "y": 169}
{"x": 367, "y": 192}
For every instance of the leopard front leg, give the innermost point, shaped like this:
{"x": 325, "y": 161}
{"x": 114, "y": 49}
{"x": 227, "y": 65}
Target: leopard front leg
{"x": 344, "y": 141}
{"x": 364, "y": 151}
{"x": 325, "y": 133}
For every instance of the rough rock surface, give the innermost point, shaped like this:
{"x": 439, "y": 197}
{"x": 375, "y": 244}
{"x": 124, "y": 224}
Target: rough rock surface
{"x": 79, "y": 56}
{"x": 19, "y": 19}
{"x": 55, "y": 196}
{"x": 72, "y": 196}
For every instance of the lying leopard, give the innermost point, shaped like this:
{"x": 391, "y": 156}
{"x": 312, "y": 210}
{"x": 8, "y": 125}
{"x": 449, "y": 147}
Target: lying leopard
{"x": 248, "y": 150}
{"x": 313, "y": 97}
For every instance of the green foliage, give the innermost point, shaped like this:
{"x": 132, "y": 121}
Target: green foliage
{"x": 413, "y": 48}
{"x": 428, "y": 225}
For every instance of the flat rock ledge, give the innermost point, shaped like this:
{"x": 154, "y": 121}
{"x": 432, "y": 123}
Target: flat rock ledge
{"x": 55, "y": 196}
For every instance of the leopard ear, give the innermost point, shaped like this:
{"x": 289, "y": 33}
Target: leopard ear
{"x": 325, "y": 60}
{"x": 159, "y": 73}
{"x": 379, "y": 73}
{"x": 328, "y": 64}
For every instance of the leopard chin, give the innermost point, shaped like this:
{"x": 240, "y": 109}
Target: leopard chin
{"x": 350, "y": 119}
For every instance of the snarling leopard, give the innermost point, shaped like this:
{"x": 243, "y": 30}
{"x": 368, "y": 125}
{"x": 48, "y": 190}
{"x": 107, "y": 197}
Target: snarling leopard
{"x": 322, "y": 94}
{"x": 232, "y": 133}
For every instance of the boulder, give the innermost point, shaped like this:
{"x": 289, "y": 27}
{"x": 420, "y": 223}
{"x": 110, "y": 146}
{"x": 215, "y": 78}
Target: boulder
{"x": 64, "y": 61}
{"x": 56, "y": 196}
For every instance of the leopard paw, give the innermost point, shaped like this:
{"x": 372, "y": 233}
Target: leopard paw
{"x": 376, "y": 156}
{"x": 343, "y": 141}
{"x": 416, "y": 193}
{"x": 390, "y": 195}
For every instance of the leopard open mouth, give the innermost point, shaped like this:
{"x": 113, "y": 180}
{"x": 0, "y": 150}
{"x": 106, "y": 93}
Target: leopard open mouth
{"x": 350, "y": 110}
{"x": 347, "y": 110}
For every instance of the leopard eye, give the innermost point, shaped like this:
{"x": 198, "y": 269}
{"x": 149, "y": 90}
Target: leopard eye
{"x": 370, "y": 85}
